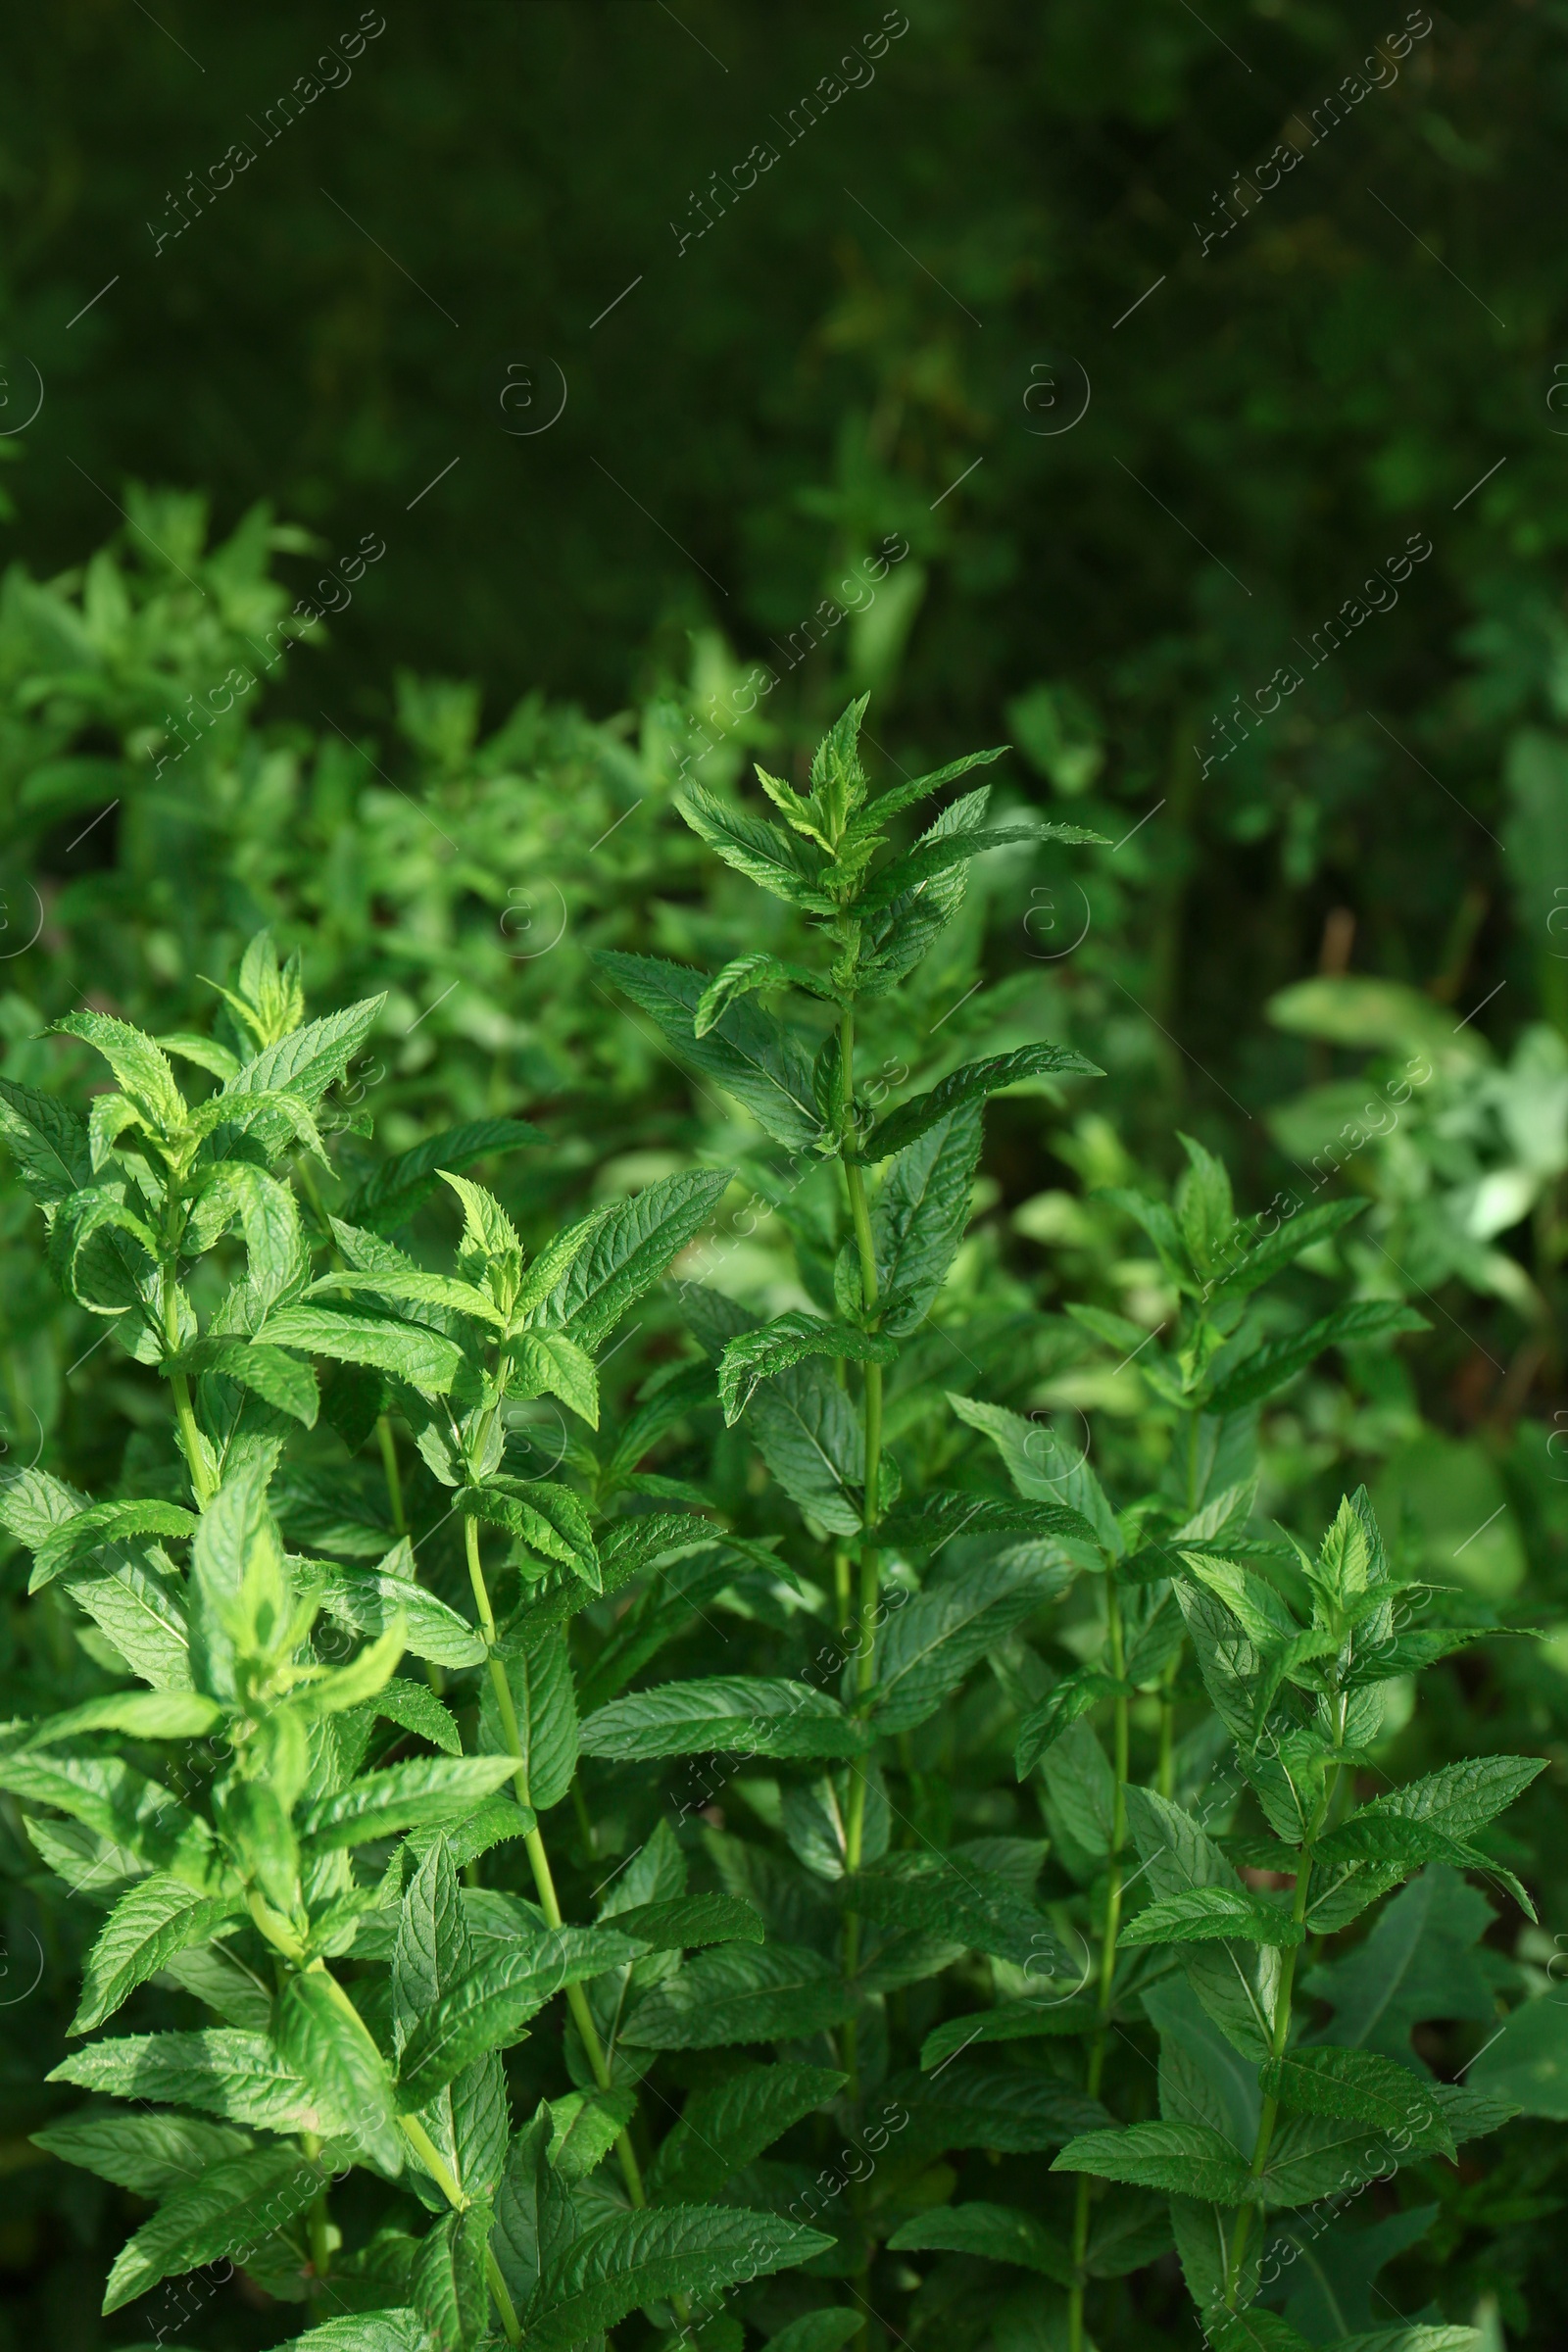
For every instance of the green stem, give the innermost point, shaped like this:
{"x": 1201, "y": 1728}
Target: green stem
{"x": 582, "y": 2015}
{"x": 1166, "y": 1780}
{"x": 279, "y": 1932}
{"x": 434, "y": 1674}
{"x": 1193, "y": 1420}
{"x": 538, "y": 1858}
{"x": 866, "y": 1657}
{"x": 436, "y": 2164}
{"x": 1166, "y": 1772}
{"x": 1107, "y": 1962}
{"x": 184, "y": 1410}
{"x": 305, "y": 1176}
{"x": 1281, "y": 2034}
{"x": 412, "y": 2130}
{"x": 424, "y": 2147}
{"x": 1269, "y": 2112}
{"x": 319, "y": 2219}
{"x": 394, "y": 1481}
{"x": 190, "y": 1438}
{"x": 503, "y": 2298}
{"x": 840, "y": 1589}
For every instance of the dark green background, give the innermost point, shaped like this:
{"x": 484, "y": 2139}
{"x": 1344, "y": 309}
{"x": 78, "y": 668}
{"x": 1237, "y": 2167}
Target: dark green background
{"x": 801, "y": 380}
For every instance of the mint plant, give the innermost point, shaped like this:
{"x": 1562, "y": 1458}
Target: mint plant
{"x": 849, "y": 1983}
{"x": 230, "y": 1864}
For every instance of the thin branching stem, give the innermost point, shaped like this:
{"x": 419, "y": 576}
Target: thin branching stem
{"x": 319, "y": 2219}
{"x": 436, "y": 2166}
{"x": 1279, "y": 2039}
{"x": 1108, "y": 1960}
{"x": 538, "y": 1856}
{"x": 185, "y": 1411}
{"x": 394, "y": 1481}
{"x": 865, "y": 1630}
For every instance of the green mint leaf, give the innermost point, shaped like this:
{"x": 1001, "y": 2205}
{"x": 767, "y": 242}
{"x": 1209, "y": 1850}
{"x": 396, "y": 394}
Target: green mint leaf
{"x": 400, "y": 2330}
{"x": 584, "y": 2127}
{"x": 466, "y": 2117}
{"x": 550, "y": 1519}
{"x": 414, "y": 1287}
{"x": 930, "y": 1521}
{"x": 448, "y": 2283}
{"x": 238, "y": 2075}
{"x": 739, "y": 1994}
{"x": 269, "y": 1372}
{"x": 538, "y": 1670}
{"x": 1042, "y": 1468}
{"x": 1186, "y": 2158}
{"x": 920, "y": 1217}
{"x": 547, "y": 1364}
{"x": 152, "y": 1920}
{"x": 215, "y": 2217}
{"x": 48, "y": 1142}
{"x": 972, "y": 1083}
{"x": 140, "y": 1068}
{"x": 745, "y": 975}
{"x": 398, "y": 1191}
{"x": 1204, "y": 1208}
{"x": 1250, "y": 1260}
{"x": 119, "y": 1804}
{"x": 777, "y": 1346}
{"x": 996, "y": 2233}
{"x": 308, "y": 1060}
{"x": 746, "y": 1050}
{"x": 1009, "y": 2021}
{"x": 152, "y": 2155}
{"x": 759, "y": 850}
{"x": 1272, "y": 1367}
{"x": 684, "y": 1922}
{"x": 1201, "y": 1914}
{"x": 1355, "y": 2086}
{"x": 416, "y": 1708}
{"x": 428, "y": 1793}
{"x": 630, "y": 1249}
{"x": 371, "y": 1600}
{"x": 87, "y": 1532}
{"x": 489, "y": 2005}
{"x": 730, "y": 2123}
{"x": 1015, "y": 2110}
{"x": 630, "y": 2259}
{"x": 1056, "y": 1713}
{"x": 1527, "y": 2065}
{"x": 938, "y": 1895}
{"x": 900, "y": 796}
{"x": 139, "y": 1605}
{"x": 732, "y": 1714}
{"x": 408, "y": 1351}
{"x": 932, "y": 1640}
{"x": 1419, "y": 1962}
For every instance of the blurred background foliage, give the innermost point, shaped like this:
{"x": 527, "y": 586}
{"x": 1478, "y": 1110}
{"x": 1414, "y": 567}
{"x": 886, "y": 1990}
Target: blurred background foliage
{"x": 411, "y": 673}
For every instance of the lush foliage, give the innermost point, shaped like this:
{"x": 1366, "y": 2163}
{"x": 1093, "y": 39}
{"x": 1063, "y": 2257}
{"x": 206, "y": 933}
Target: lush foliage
{"x": 986, "y": 1594}
{"x": 957, "y": 1742}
